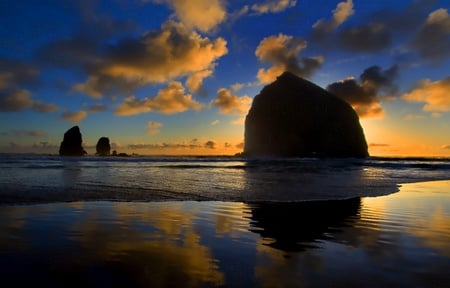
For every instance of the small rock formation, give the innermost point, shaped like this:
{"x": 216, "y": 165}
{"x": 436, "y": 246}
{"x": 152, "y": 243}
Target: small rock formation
{"x": 293, "y": 117}
{"x": 103, "y": 147}
{"x": 71, "y": 144}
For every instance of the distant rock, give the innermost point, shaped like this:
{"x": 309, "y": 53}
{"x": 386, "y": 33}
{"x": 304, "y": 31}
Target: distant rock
{"x": 103, "y": 147}
{"x": 72, "y": 143}
{"x": 293, "y": 117}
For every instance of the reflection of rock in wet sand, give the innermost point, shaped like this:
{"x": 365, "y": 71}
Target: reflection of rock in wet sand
{"x": 296, "y": 226}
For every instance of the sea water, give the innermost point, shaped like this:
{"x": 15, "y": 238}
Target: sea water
{"x": 224, "y": 222}
{"x": 25, "y": 179}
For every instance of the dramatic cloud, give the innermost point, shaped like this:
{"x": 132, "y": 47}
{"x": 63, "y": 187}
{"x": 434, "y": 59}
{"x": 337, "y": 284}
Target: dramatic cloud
{"x": 433, "y": 38}
{"x": 365, "y": 95}
{"x": 203, "y": 15}
{"x": 169, "y": 100}
{"x": 228, "y": 103}
{"x": 435, "y": 95}
{"x": 157, "y": 56}
{"x": 273, "y": 6}
{"x": 153, "y": 127}
{"x": 323, "y": 27}
{"x": 283, "y": 52}
{"x": 74, "y": 117}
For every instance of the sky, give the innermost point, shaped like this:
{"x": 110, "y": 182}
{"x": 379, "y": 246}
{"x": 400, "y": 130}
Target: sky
{"x": 174, "y": 77}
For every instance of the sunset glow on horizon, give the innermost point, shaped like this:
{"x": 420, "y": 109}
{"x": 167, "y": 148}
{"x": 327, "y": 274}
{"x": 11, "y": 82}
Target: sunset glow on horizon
{"x": 163, "y": 77}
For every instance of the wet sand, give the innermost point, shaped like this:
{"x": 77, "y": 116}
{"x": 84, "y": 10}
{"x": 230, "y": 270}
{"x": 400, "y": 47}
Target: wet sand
{"x": 401, "y": 240}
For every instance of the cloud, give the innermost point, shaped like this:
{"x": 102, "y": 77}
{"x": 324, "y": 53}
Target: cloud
{"x": 203, "y": 15}
{"x": 169, "y": 100}
{"x": 445, "y": 146}
{"x": 195, "y": 81}
{"x": 365, "y": 38}
{"x": 378, "y": 145}
{"x": 240, "y": 145}
{"x": 376, "y": 32}
{"x": 323, "y": 27}
{"x": 273, "y": 6}
{"x": 31, "y": 133}
{"x": 122, "y": 67}
{"x": 193, "y": 144}
{"x": 228, "y": 103}
{"x": 215, "y": 122}
{"x": 42, "y": 107}
{"x": 14, "y": 73}
{"x": 365, "y": 95}
{"x": 97, "y": 108}
{"x": 74, "y": 117}
{"x": 210, "y": 144}
{"x": 45, "y": 145}
{"x": 433, "y": 38}
{"x": 283, "y": 52}
{"x": 435, "y": 95}
{"x": 153, "y": 127}
{"x": 15, "y": 100}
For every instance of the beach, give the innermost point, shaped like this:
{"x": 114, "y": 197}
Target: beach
{"x": 396, "y": 240}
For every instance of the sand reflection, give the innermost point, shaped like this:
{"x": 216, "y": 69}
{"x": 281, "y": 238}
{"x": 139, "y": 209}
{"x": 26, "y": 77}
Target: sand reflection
{"x": 388, "y": 240}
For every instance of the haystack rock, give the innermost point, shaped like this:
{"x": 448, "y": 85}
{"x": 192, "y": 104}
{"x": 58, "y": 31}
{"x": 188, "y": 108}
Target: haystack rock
{"x": 71, "y": 144}
{"x": 293, "y": 117}
{"x": 103, "y": 147}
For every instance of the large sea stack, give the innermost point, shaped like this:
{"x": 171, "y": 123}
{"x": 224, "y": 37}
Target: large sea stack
{"x": 71, "y": 144}
{"x": 293, "y": 117}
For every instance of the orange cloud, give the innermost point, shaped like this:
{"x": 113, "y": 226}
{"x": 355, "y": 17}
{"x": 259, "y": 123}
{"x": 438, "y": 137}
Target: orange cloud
{"x": 153, "y": 127}
{"x": 342, "y": 12}
{"x": 435, "y": 95}
{"x": 156, "y": 57}
{"x": 74, "y": 117}
{"x": 228, "y": 103}
{"x": 203, "y": 15}
{"x": 195, "y": 81}
{"x": 273, "y": 6}
{"x": 283, "y": 52}
{"x": 169, "y": 100}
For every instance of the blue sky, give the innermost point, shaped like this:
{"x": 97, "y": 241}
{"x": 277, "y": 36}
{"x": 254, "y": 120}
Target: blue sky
{"x": 178, "y": 77}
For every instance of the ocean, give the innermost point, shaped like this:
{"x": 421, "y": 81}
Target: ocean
{"x": 224, "y": 222}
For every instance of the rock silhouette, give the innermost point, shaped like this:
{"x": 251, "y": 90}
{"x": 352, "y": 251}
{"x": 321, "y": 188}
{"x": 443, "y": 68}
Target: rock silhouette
{"x": 71, "y": 144}
{"x": 298, "y": 226}
{"x": 293, "y": 117}
{"x": 103, "y": 147}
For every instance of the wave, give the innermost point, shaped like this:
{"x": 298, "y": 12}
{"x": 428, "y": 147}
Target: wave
{"x": 34, "y": 178}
